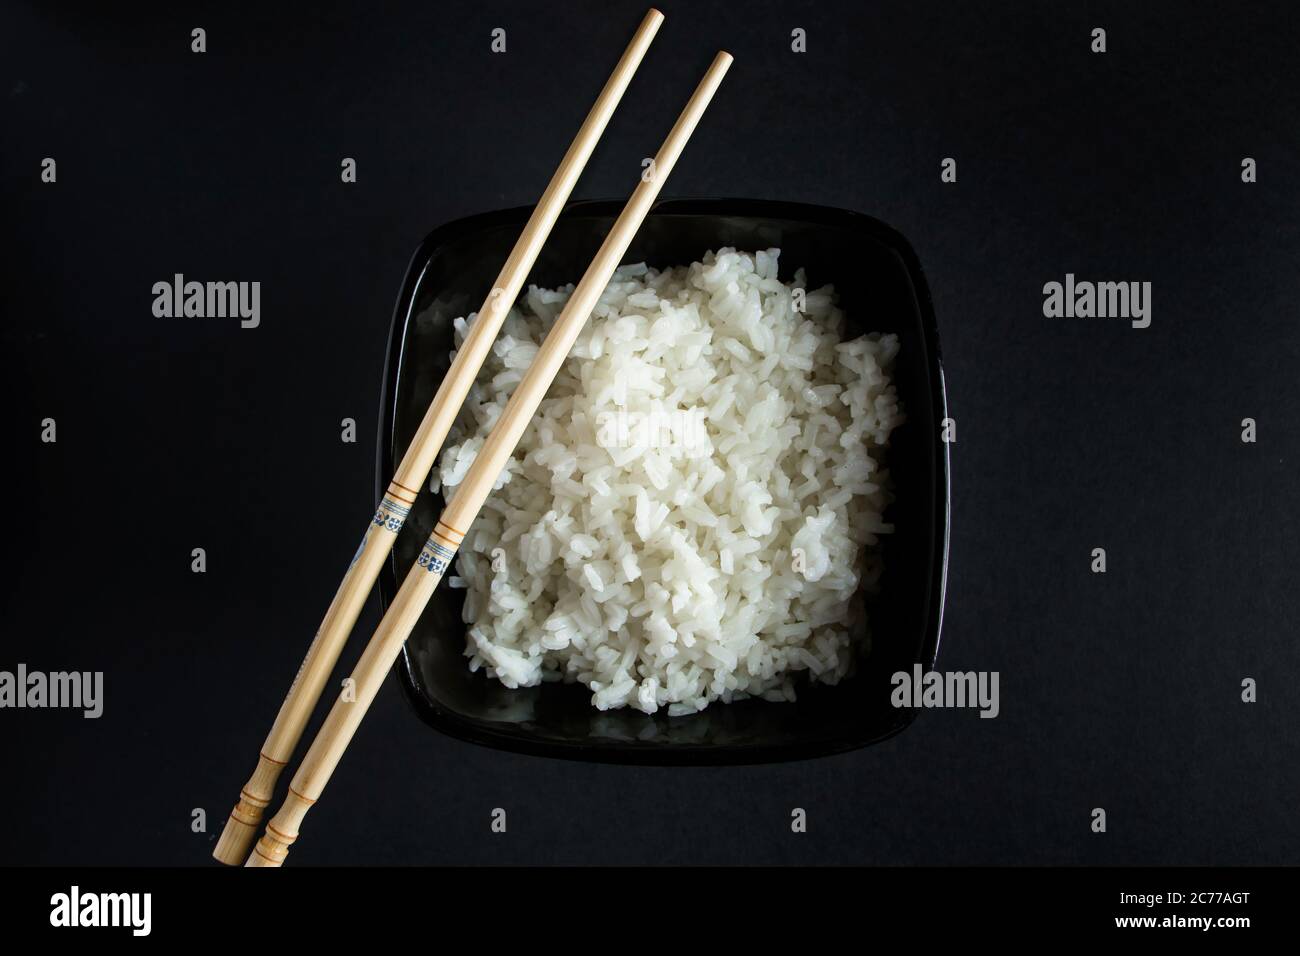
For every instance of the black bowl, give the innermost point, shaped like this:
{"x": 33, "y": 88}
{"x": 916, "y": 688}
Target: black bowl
{"x": 881, "y": 289}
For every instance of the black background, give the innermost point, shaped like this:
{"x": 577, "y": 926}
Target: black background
{"x": 1119, "y": 691}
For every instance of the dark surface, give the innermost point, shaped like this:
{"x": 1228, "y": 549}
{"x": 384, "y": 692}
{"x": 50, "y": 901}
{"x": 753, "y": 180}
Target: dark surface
{"x": 1118, "y": 691}
{"x": 877, "y": 274}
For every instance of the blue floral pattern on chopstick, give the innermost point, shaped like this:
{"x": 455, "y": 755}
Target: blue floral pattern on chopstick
{"x": 434, "y": 558}
{"x": 390, "y": 514}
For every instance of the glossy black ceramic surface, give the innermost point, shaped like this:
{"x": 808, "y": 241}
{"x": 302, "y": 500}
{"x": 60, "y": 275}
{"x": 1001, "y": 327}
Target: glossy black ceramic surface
{"x": 881, "y": 288}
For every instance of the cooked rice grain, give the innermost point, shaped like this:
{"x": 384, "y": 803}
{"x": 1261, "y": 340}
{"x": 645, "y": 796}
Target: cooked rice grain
{"x": 692, "y": 511}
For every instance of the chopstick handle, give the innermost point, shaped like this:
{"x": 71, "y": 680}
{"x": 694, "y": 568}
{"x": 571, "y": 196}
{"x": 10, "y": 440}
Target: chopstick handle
{"x": 421, "y": 581}
{"x": 348, "y": 710}
{"x": 241, "y": 828}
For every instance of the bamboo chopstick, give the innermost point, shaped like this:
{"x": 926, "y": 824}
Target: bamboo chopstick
{"x": 346, "y": 714}
{"x": 323, "y": 654}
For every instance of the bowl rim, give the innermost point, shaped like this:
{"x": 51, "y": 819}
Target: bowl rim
{"x": 404, "y": 669}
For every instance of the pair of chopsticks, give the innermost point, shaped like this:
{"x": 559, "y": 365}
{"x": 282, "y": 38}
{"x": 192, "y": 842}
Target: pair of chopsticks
{"x": 349, "y": 709}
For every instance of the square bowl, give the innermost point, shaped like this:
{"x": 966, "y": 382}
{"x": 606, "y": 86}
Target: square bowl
{"x": 881, "y": 288}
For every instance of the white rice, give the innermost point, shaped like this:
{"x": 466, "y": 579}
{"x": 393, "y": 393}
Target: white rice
{"x": 665, "y": 565}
